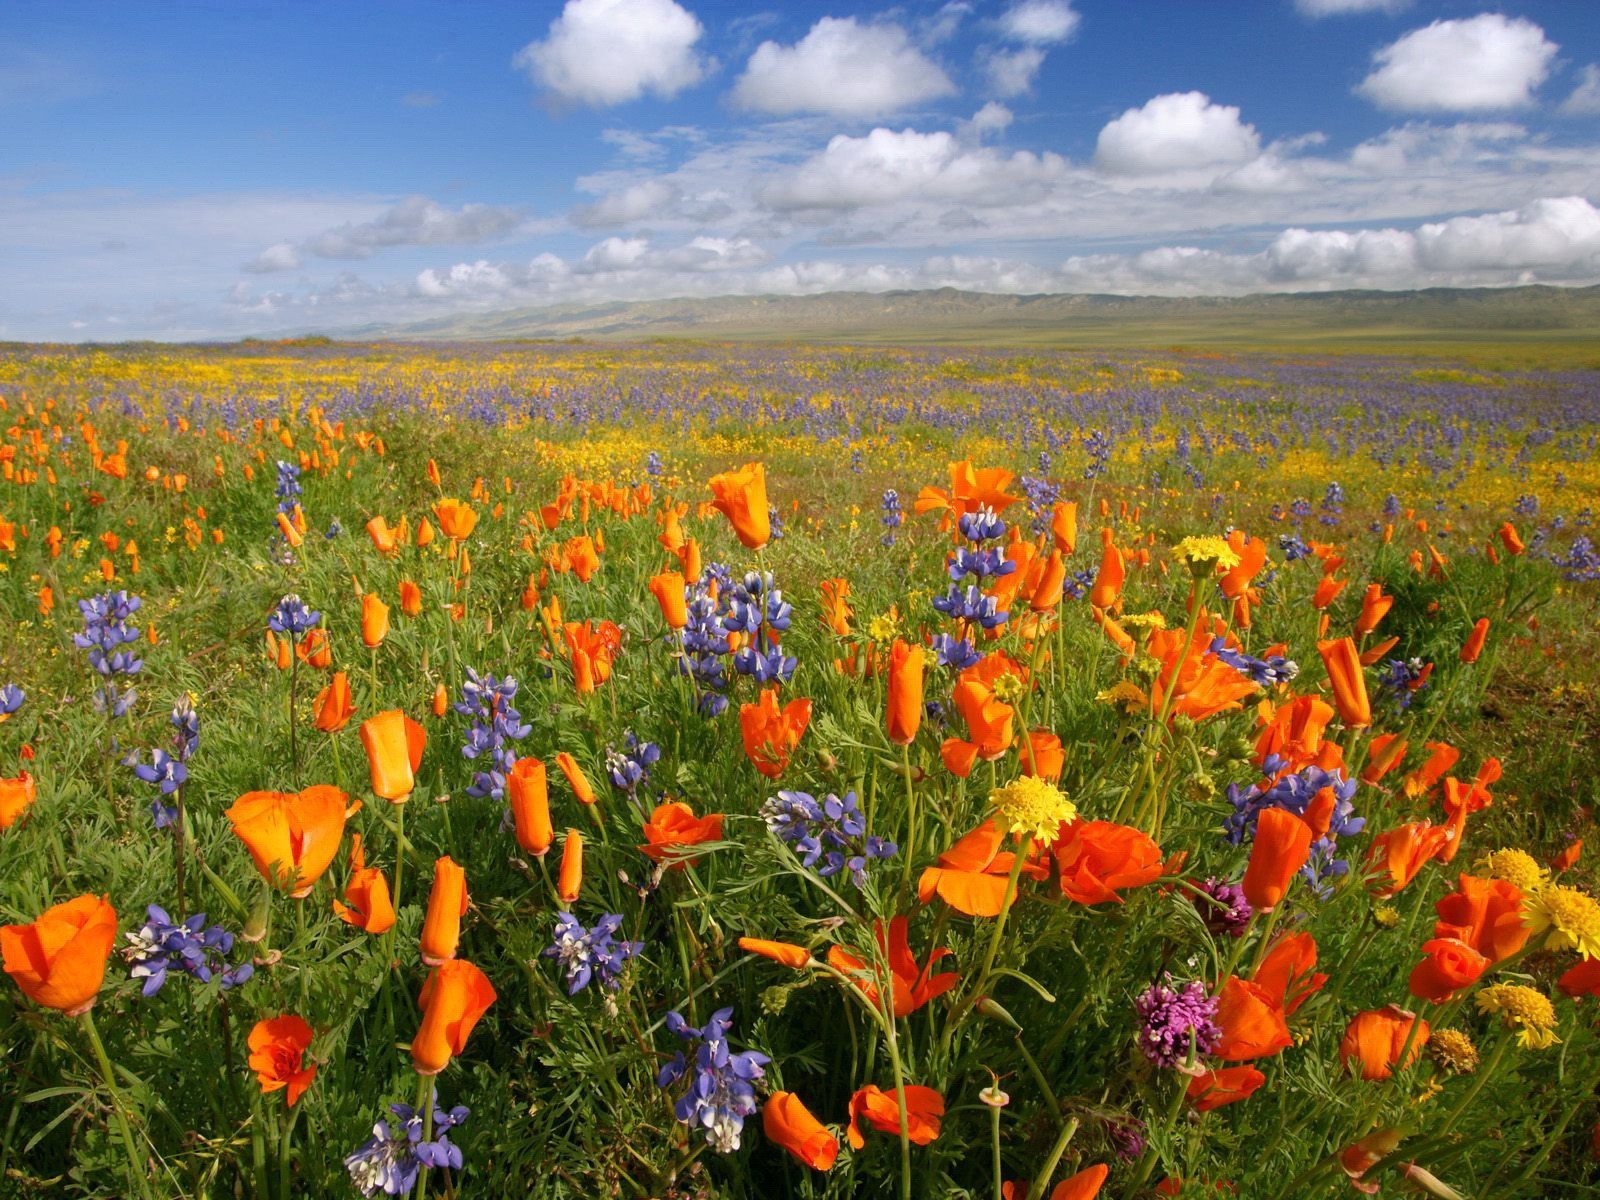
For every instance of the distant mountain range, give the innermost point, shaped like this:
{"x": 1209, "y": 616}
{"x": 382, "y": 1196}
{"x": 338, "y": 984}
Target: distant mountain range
{"x": 947, "y": 315}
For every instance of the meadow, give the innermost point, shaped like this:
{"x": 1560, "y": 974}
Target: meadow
{"x": 705, "y": 770}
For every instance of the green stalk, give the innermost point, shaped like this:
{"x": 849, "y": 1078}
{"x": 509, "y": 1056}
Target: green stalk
{"x": 1042, "y": 1179}
{"x": 136, "y": 1173}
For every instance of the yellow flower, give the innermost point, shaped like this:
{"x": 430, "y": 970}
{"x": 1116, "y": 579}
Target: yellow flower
{"x": 1571, "y": 916}
{"x": 1454, "y": 1051}
{"x": 1527, "y": 1011}
{"x": 1145, "y": 620}
{"x": 1126, "y": 695}
{"x": 1386, "y": 915}
{"x": 1033, "y": 806}
{"x": 882, "y": 628}
{"x": 1516, "y": 867}
{"x": 1008, "y": 688}
{"x": 1204, "y": 554}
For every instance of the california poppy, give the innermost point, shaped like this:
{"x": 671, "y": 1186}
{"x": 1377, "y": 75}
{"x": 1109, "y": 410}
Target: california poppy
{"x": 972, "y": 875}
{"x": 1441, "y": 757}
{"x": 570, "y": 880}
{"x": 278, "y": 1048}
{"x": 1252, "y": 1021}
{"x": 447, "y": 904}
{"x": 787, "y": 954}
{"x": 1042, "y": 755}
{"x": 1282, "y": 845}
{"x": 1484, "y": 913}
{"x": 1106, "y": 590}
{"x": 1373, "y": 1040}
{"x": 1448, "y": 967}
{"x": 904, "y": 712}
{"x": 1375, "y": 605}
{"x": 394, "y": 745}
{"x": 971, "y": 488}
{"x": 456, "y": 520}
{"x": 672, "y": 826}
{"x": 1474, "y": 643}
{"x": 453, "y": 999}
{"x": 1064, "y": 526}
{"x": 333, "y": 707}
{"x": 1343, "y": 663}
{"x": 292, "y": 836}
{"x": 1226, "y": 1085}
{"x": 366, "y": 895}
{"x": 924, "y": 1110}
{"x": 575, "y": 777}
{"x": 1252, "y": 553}
{"x": 410, "y": 598}
{"x": 59, "y": 958}
{"x": 989, "y": 722}
{"x": 771, "y": 733}
{"x": 912, "y": 985}
{"x": 385, "y": 540}
{"x": 1288, "y": 971}
{"x": 527, "y": 791}
{"x": 16, "y": 795}
{"x": 592, "y": 649}
{"x": 668, "y": 589}
{"x": 1293, "y": 731}
{"x": 374, "y": 620}
{"x": 315, "y": 649}
{"x": 788, "y": 1123}
{"x": 1396, "y": 855}
{"x": 1097, "y": 859}
{"x": 741, "y": 496}
{"x": 1385, "y": 752}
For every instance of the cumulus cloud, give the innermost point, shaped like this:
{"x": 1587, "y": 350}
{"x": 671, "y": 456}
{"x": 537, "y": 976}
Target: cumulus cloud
{"x": 843, "y": 68}
{"x": 885, "y": 166}
{"x": 1039, "y": 21}
{"x": 1180, "y": 131}
{"x": 1585, "y": 98}
{"x": 1480, "y": 63}
{"x": 992, "y": 118}
{"x": 1011, "y": 72}
{"x": 416, "y": 221}
{"x": 1339, "y": 8}
{"x": 279, "y": 257}
{"x": 605, "y": 52}
{"x": 636, "y": 202}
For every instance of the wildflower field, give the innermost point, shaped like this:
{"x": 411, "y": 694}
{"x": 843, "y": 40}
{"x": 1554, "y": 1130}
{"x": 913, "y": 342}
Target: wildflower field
{"x": 708, "y": 771}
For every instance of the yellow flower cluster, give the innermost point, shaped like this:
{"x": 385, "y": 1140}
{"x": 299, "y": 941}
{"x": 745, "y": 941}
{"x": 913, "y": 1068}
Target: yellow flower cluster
{"x": 1571, "y": 918}
{"x": 1516, "y": 867}
{"x": 1033, "y": 806}
{"x": 1524, "y": 1009}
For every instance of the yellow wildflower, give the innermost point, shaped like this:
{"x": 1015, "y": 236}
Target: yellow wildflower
{"x": 1571, "y": 917}
{"x": 1524, "y": 1009}
{"x": 1033, "y": 806}
{"x": 1516, "y": 867}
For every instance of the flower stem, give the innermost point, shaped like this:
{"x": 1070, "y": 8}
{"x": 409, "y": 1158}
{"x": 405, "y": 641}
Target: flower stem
{"x": 136, "y": 1174}
{"x": 1042, "y": 1179}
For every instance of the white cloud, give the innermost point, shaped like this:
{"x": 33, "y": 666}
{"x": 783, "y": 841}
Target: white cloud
{"x": 992, "y": 118}
{"x": 1585, "y": 98}
{"x": 636, "y": 202}
{"x": 416, "y": 221}
{"x": 605, "y": 52}
{"x": 1480, "y": 63}
{"x": 843, "y": 68}
{"x": 1039, "y": 21}
{"x": 1339, "y": 8}
{"x": 279, "y": 257}
{"x": 1011, "y": 72}
{"x": 885, "y": 166}
{"x": 1180, "y": 131}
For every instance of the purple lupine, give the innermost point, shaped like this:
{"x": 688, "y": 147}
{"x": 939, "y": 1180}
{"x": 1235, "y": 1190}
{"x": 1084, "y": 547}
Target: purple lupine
{"x": 721, "y": 1091}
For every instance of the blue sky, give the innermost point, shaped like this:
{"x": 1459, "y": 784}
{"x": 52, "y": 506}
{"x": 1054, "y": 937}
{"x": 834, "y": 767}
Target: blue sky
{"x": 191, "y": 170}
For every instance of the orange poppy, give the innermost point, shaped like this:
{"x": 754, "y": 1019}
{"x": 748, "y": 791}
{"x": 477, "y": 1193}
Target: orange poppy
{"x": 668, "y": 589}
{"x": 1282, "y": 845}
{"x": 1343, "y": 663}
{"x": 1042, "y": 755}
{"x": 1252, "y": 552}
{"x": 316, "y": 649}
{"x": 1373, "y": 1040}
{"x": 528, "y": 793}
{"x": 366, "y": 896}
{"x": 1441, "y": 757}
{"x": 453, "y": 999}
{"x": 1203, "y": 685}
{"x": 1064, "y": 526}
{"x": 1328, "y": 588}
{"x": 16, "y": 795}
{"x": 292, "y": 836}
{"x": 904, "y": 712}
{"x": 410, "y": 598}
{"x": 1293, "y": 731}
{"x": 912, "y": 986}
{"x": 1375, "y": 605}
{"x": 1474, "y": 643}
{"x": 1449, "y": 966}
{"x": 972, "y": 875}
{"x": 593, "y": 649}
{"x": 1511, "y": 539}
{"x": 385, "y": 540}
{"x": 456, "y": 520}
{"x": 1396, "y": 855}
{"x": 447, "y": 904}
{"x": 971, "y": 488}
{"x": 1107, "y": 587}
{"x": 923, "y": 1113}
{"x": 1484, "y": 913}
{"x": 1085, "y": 1185}
{"x": 673, "y": 826}
{"x": 333, "y": 706}
{"x": 394, "y": 745}
{"x": 575, "y": 777}
{"x": 1288, "y": 972}
{"x": 771, "y": 733}
{"x": 1253, "y": 1024}
{"x": 570, "y": 880}
{"x": 1226, "y": 1085}
{"x": 1386, "y": 752}
{"x": 278, "y": 1048}
{"x": 1581, "y": 980}
{"x": 1097, "y": 859}
{"x": 787, "y": 954}
{"x": 741, "y": 496}
{"x": 989, "y": 726}
{"x": 374, "y": 620}
{"x": 59, "y": 958}
{"x": 788, "y": 1123}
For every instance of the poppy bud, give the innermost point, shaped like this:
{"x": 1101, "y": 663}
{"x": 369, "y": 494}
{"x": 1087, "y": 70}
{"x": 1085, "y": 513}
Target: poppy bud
{"x": 447, "y": 904}
{"x": 453, "y": 1000}
{"x": 394, "y": 744}
{"x": 575, "y": 778}
{"x": 904, "y": 714}
{"x": 668, "y": 589}
{"x": 570, "y": 881}
{"x": 528, "y": 793}
{"x": 333, "y": 706}
{"x": 1282, "y": 845}
{"x": 374, "y": 620}
{"x": 788, "y": 1123}
{"x": 1475, "y": 640}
